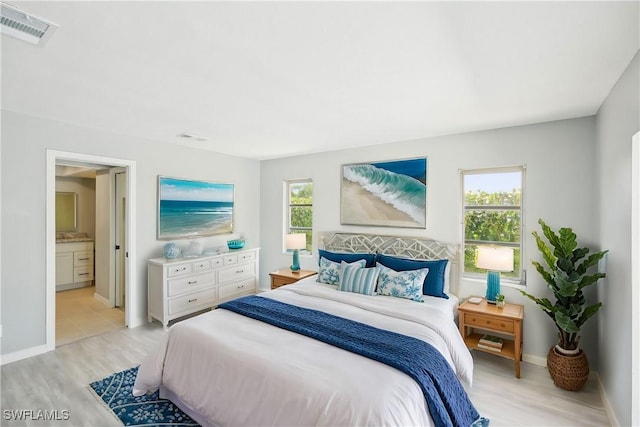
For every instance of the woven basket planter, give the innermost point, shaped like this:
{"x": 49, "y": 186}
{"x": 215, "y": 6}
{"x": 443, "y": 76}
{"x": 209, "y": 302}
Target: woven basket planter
{"x": 568, "y": 372}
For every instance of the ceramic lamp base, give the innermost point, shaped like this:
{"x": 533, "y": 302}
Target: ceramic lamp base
{"x": 493, "y": 286}
{"x": 296, "y": 261}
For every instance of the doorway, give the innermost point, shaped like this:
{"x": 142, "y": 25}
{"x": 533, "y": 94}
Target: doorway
{"x": 126, "y": 235}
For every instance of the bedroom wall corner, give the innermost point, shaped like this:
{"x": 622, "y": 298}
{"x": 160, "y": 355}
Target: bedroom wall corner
{"x": 617, "y": 121}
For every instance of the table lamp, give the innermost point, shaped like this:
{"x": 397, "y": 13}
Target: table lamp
{"x": 295, "y": 242}
{"x": 494, "y": 260}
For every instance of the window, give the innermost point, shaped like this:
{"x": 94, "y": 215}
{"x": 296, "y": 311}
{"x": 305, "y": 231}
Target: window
{"x": 300, "y": 209}
{"x": 492, "y": 200}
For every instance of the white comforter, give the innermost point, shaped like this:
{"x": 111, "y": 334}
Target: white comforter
{"x": 235, "y": 371}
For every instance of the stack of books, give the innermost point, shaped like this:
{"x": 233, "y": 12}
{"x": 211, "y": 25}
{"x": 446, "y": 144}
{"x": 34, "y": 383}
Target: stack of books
{"x": 490, "y": 342}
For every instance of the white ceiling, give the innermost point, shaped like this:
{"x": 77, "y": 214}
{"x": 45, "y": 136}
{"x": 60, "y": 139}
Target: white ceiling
{"x": 273, "y": 79}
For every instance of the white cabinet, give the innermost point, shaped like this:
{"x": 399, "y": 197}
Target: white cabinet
{"x": 64, "y": 268}
{"x": 74, "y": 265}
{"x": 179, "y": 287}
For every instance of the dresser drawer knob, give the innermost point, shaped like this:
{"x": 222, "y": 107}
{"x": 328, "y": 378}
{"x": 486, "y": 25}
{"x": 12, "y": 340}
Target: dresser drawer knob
{"x": 192, "y": 282}
{"x": 83, "y": 259}
{"x": 192, "y": 300}
{"x": 240, "y": 286}
{"x": 239, "y": 271}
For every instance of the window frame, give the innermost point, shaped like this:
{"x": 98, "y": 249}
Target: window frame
{"x": 288, "y": 229}
{"x": 520, "y": 279}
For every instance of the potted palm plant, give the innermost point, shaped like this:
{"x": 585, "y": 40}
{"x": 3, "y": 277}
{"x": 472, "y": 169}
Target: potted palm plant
{"x": 567, "y": 273}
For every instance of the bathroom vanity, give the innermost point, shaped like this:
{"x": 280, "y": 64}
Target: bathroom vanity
{"x": 74, "y": 263}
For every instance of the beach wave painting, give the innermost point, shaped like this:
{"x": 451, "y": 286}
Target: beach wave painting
{"x": 189, "y": 208}
{"x": 390, "y": 193}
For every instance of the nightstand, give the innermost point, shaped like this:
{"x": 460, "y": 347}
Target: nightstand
{"x": 505, "y": 321}
{"x": 286, "y": 277}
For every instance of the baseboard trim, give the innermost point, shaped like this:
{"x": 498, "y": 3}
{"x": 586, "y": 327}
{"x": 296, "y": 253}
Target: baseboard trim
{"x": 534, "y": 360}
{"x": 613, "y": 420}
{"x": 24, "y": 354}
{"x": 102, "y": 299}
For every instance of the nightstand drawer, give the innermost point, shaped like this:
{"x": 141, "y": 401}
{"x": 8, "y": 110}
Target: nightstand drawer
{"x": 276, "y": 282}
{"x": 480, "y": 321}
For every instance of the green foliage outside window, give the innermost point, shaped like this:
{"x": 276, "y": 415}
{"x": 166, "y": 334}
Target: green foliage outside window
{"x": 492, "y": 218}
{"x": 301, "y": 210}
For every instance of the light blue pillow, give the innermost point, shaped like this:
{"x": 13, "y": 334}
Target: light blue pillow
{"x": 329, "y": 271}
{"x": 358, "y": 279}
{"x": 401, "y": 284}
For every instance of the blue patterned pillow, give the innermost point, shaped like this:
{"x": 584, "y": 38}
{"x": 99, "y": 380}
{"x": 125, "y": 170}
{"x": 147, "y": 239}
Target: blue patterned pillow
{"x": 401, "y": 284}
{"x": 357, "y": 279}
{"x": 329, "y": 271}
{"x": 435, "y": 282}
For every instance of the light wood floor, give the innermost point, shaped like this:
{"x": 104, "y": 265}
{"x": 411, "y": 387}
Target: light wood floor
{"x": 59, "y": 380}
{"x": 79, "y": 315}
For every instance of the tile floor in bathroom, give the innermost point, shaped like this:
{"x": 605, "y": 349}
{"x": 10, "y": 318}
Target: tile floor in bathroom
{"x": 80, "y": 315}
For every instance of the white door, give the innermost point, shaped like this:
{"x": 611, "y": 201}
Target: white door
{"x": 120, "y": 237}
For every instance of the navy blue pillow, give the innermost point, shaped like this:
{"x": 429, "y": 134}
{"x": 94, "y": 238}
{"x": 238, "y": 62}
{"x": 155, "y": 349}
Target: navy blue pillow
{"x": 339, "y": 257}
{"x": 434, "y": 282}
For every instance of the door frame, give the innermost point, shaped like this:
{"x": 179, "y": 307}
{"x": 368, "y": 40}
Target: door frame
{"x": 635, "y": 278}
{"x": 53, "y": 156}
{"x": 113, "y": 235}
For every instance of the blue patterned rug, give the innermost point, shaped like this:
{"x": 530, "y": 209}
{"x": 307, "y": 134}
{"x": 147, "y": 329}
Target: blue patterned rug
{"x": 147, "y": 410}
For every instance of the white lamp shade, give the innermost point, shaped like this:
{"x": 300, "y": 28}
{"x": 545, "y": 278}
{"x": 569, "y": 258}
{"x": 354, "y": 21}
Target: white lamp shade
{"x": 295, "y": 241}
{"x": 495, "y": 258}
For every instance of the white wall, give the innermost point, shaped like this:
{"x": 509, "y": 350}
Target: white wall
{"x": 617, "y": 121}
{"x": 560, "y": 183}
{"x": 85, "y": 188}
{"x": 25, "y": 140}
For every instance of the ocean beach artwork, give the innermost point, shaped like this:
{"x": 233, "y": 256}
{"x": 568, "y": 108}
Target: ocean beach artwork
{"x": 191, "y": 208}
{"x": 388, "y": 194}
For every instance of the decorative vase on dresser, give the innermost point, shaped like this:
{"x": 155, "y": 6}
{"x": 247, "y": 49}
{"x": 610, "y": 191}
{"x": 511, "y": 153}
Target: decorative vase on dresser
{"x": 182, "y": 286}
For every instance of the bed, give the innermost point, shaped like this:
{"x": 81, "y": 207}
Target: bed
{"x": 230, "y": 368}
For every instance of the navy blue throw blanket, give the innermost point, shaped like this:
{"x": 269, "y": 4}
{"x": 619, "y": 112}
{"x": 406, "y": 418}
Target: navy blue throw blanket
{"x": 448, "y": 403}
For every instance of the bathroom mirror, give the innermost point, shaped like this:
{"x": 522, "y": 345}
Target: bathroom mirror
{"x": 66, "y": 209}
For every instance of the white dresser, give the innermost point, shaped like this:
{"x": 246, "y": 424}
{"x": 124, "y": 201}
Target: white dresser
{"x": 178, "y": 287}
{"x": 74, "y": 265}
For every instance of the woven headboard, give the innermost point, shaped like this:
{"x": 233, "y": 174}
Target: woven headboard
{"x": 401, "y": 246}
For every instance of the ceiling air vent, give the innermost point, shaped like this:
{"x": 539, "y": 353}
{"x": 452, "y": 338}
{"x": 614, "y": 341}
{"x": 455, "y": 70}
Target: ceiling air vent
{"x": 192, "y": 137}
{"x": 24, "y": 26}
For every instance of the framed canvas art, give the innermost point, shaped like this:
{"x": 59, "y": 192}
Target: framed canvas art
{"x": 388, "y": 193}
{"x": 192, "y": 208}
